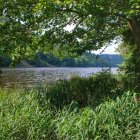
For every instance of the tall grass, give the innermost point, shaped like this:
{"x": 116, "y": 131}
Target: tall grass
{"x": 90, "y": 108}
{"x": 23, "y": 117}
{"x": 112, "y": 120}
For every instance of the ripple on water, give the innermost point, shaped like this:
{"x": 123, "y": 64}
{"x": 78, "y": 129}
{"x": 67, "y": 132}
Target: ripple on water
{"x": 31, "y": 77}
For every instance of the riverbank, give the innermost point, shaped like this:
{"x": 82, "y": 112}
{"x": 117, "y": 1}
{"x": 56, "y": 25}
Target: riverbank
{"x": 96, "y": 107}
{"x": 24, "y": 116}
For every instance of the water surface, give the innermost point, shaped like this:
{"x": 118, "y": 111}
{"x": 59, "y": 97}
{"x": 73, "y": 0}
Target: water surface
{"x": 30, "y": 77}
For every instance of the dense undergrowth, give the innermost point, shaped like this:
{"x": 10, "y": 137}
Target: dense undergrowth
{"x": 90, "y": 91}
{"x": 57, "y": 113}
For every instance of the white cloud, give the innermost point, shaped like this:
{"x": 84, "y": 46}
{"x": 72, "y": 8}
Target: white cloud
{"x": 111, "y": 49}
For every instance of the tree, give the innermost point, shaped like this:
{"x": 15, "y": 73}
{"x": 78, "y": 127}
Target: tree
{"x": 96, "y": 22}
{"x": 131, "y": 65}
{"x": 31, "y": 25}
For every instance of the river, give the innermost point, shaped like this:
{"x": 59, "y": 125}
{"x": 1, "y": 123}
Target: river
{"x": 31, "y": 77}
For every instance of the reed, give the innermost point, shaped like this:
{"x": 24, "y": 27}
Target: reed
{"x": 92, "y": 108}
{"x": 21, "y": 116}
{"x": 112, "y": 120}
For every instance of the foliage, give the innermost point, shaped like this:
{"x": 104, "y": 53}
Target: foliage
{"x": 85, "y": 60}
{"x": 117, "y": 119}
{"x": 30, "y": 26}
{"x": 130, "y": 81}
{"x": 130, "y": 53}
{"x": 23, "y": 117}
{"x": 37, "y": 61}
{"x": 85, "y": 91}
{"x": 17, "y": 37}
{"x": 4, "y": 61}
{"x": 131, "y": 66}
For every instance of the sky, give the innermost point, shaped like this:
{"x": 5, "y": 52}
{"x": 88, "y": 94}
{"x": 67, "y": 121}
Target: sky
{"x": 111, "y": 49}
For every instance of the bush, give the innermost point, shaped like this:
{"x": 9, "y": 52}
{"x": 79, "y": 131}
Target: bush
{"x": 130, "y": 81}
{"x": 85, "y": 91}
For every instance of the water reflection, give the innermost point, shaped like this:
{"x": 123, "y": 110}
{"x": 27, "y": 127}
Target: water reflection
{"x": 30, "y": 77}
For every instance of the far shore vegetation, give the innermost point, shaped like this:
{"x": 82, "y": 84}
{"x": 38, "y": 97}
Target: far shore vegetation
{"x": 88, "y": 59}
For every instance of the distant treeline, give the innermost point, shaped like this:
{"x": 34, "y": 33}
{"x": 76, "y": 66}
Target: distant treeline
{"x": 4, "y": 61}
{"x": 86, "y": 60}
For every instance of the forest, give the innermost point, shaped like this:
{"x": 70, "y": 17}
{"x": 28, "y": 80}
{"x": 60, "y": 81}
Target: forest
{"x": 50, "y": 60}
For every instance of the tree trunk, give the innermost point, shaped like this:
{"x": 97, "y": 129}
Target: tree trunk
{"x": 134, "y": 25}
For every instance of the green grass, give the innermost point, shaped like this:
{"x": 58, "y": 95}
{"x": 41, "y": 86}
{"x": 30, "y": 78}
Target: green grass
{"x": 21, "y": 116}
{"x": 112, "y": 120}
{"x": 92, "y": 108}
{"x": 24, "y": 117}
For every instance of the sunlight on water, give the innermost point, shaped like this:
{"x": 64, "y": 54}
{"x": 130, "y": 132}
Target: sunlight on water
{"x": 30, "y": 77}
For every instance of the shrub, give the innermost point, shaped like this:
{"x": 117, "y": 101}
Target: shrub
{"x": 130, "y": 81}
{"x": 85, "y": 91}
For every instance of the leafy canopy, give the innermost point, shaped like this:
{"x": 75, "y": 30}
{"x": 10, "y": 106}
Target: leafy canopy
{"x": 27, "y": 26}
